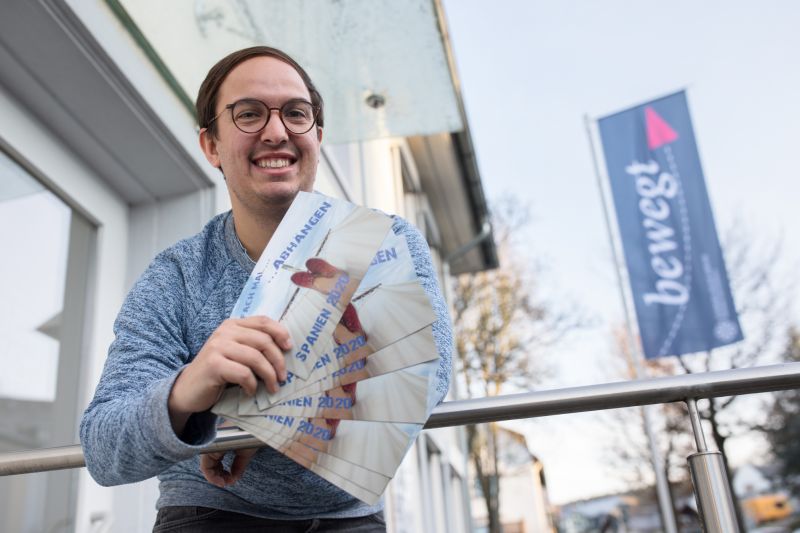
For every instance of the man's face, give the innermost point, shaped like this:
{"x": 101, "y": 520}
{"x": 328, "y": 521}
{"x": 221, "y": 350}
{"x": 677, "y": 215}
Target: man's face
{"x": 266, "y": 169}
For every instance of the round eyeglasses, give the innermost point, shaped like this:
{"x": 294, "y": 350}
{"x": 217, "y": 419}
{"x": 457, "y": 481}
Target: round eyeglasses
{"x": 251, "y": 116}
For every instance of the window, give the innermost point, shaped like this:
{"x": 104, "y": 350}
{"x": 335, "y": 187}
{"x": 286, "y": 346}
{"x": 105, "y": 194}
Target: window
{"x": 34, "y": 239}
{"x": 47, "y": 254}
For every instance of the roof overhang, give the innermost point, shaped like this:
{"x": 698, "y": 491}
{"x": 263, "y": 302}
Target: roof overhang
{"x": 380, "y": 65}
{"x": 385, "y": 69}
{"x": 54, "y": 67}
{"x": 99, "y": 106}
{"x": 448, "y": 174}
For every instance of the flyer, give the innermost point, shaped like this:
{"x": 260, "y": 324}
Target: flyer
{"x": 419, "y": 347}
{"x": 387, "y": 306}
{"x": 309, "y": 270}
{"x": 400, "y": 396}
{"x": 362, "y": 370}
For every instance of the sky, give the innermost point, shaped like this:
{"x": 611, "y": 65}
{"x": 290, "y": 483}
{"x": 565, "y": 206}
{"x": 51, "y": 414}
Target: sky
{"x": 531, "y": 71}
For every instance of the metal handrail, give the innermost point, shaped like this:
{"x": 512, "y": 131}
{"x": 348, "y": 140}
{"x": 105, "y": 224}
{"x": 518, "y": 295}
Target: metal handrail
{"x": 515, "y": 406}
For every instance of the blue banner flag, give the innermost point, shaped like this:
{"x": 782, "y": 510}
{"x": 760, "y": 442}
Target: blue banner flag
{"x": 677, "y": 274}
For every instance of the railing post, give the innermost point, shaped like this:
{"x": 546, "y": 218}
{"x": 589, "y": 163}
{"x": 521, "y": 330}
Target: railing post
{"x": 712, "y": 492}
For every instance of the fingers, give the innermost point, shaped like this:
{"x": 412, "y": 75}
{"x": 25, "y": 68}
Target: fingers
{"x": 268, "y": 338}
{"x": 273, "y": 328}
{"x": 266, "y": 345}
{"x": 240, "y": 462}
{"x": 214, "y": 471}
{"x": 242, "y": 364}
{"x": 242, "y": 350}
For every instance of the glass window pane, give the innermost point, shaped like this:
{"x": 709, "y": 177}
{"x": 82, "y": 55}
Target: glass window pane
{"x": 34, "y": 239}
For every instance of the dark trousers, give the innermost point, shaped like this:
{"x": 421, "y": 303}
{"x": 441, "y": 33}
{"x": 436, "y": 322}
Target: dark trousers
{"x": 207, "y": 520}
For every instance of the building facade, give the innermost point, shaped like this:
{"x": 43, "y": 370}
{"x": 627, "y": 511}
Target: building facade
{"x": 100, "y": 169}
{"x": 523, "y": 499}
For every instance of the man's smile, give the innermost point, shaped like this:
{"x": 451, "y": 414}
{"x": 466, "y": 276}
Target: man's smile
{"x": 274, "y": 161}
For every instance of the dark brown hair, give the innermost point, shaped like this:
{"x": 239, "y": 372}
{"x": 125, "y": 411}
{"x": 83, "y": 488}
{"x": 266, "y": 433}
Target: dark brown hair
{"x": 206, "y": 104}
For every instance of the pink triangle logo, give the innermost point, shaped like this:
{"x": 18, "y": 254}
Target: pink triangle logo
{"x": 659, "y": 132}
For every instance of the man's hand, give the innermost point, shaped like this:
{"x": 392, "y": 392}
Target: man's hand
{"x": 215, "y": 473}
{"x": 239, "y": 351}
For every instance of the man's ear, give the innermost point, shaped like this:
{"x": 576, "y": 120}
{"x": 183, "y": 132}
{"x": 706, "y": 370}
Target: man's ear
{"x": 319, "y": 134}
{"x": 208, "y": 144}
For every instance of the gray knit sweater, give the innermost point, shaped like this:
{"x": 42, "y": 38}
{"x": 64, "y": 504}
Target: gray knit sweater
{"x": 187, "y": 291}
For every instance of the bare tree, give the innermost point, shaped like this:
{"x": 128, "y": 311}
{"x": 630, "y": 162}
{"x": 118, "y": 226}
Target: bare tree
{"x": 783, "y": 425}
{"x": 630, "y": 455}
{"x": 763, "y": 304}
{"x": 503, "y": 329}
{"x": 763, "y": 301}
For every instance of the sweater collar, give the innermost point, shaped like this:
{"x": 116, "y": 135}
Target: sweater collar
{"x": 234, "y": 245}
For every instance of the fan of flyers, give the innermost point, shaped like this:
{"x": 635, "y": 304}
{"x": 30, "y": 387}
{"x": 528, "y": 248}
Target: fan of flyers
{"x": 362, "y": 368}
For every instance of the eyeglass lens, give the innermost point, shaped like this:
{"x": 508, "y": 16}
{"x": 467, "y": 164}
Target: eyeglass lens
{"x": 251, "y": 116}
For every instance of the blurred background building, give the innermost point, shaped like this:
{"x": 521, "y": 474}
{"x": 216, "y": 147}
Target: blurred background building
{"x": 524, "y": 504}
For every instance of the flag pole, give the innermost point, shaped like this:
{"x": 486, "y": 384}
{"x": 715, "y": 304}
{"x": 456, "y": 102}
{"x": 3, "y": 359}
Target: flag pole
{"x": 636, "y": 355}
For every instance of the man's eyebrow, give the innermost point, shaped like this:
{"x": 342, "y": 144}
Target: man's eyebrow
{"x": 292, "y": 99}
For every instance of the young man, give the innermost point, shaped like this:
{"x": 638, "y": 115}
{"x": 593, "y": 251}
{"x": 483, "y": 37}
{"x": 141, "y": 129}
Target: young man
{"x": 175, "y": 349}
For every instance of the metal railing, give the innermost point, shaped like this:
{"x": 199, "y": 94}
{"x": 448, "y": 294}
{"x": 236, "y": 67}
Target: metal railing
{"x": 711, "y": 487}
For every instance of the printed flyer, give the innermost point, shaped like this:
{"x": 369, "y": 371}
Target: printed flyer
{"x": 362, "y": 369}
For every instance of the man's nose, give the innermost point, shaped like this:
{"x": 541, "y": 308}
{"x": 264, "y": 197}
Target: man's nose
{"x": 274, "y": 132}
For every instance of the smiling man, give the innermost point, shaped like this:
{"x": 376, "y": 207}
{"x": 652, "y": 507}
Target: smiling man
{"x": 175, "y": 349}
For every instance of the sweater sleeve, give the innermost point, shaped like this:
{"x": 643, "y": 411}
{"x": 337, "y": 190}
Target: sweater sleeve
{"x": 125, "y": 432}
{"x": 442, "y": 327}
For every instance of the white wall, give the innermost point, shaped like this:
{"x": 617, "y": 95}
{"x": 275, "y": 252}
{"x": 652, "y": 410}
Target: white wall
{"x": 523, "y": 499}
